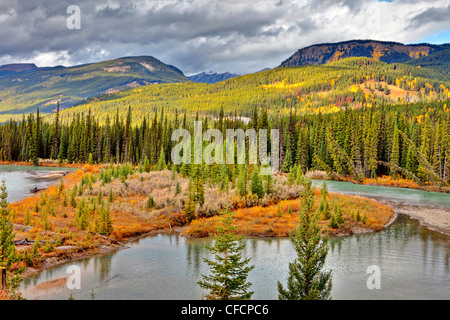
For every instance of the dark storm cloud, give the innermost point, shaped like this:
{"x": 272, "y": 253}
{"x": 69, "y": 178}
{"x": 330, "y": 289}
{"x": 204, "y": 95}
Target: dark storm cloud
{"x": 432, "y": 15}
{"x": 194, "y": 35}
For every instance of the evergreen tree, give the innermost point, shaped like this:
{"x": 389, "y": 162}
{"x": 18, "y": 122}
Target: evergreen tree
{"x": 161, "y": 165}
{"x": 256, "y": 183}
{"x": 324, "y": 205}
{"x": 189, "y": 205}
{"x": 229, "y": 272}
{"x": 306, "y": 279}
{"x": 395, "y": 154}
{"x": 198, "y": 188}
{"x": 242, "y": 181}
{"x": 146, "y": 164}
{"x": 7, "y": 247}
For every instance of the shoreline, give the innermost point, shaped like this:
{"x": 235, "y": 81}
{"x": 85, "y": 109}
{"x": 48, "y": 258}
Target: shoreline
{"x": 98, "y": 251}
{"x": 432, "y": 218}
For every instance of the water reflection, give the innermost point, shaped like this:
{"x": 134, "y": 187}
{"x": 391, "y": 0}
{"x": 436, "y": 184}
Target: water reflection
{"x": 414, "y": 264}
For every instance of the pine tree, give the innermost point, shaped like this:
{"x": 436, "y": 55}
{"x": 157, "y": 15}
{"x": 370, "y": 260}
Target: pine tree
{"x": 198, "y": 187}
{"x": 256, "y": 183}
{"x": 146, "y": 164}
{"x": 269, "y": 184}
{"x": 324, "y": 205}
{"x": 242, "y": 182}
{"x": 56, "y": 134}
{"x": 150, "y": 202}
{"x": 306, "y": 281}
{"x": 105, "y": 224}
{"x": 7, "y": 247}
{"x": 229, "y": 272}
{"x": 189, "y": 205}
{"x": 161, "y": 165}
{"x": 395, "y": 154}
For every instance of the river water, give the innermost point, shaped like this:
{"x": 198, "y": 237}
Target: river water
{"x": 19, "y": 182}
{"x": 414, "y": 262}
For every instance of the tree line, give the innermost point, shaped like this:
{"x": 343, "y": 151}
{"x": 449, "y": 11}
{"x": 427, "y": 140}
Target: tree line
{"x": 410, "y": 140}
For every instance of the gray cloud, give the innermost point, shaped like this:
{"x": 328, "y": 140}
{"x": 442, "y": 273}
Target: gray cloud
{"x": 431, "y": 15}
{"x": 198, "y": 35}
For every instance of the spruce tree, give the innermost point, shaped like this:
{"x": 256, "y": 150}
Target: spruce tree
{"x": 146, "y": 164}
{"x": 242, "y": 182}
{"x": 161, "y": 165}
{"x": 228, "y": 271}
{"x": 324, "y": 205}
{"x": 7, "y": 247}
{"x": 189, "y": 205}
{"x": 256, "y": 183}
{"x": 395, "y": 154}
{"x": 306, "y": 280}
{"x": 198, "y": 188}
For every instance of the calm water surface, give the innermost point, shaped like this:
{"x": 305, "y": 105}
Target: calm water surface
{"x": 413, "y": 260}
{"x": 19, "y": 182}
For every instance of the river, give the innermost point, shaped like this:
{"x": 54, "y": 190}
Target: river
{"x": 19, "y": 182}
{"x": 414, "y": 262}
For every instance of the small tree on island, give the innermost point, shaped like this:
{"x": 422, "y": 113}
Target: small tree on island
{"x": 306, "y": 281}
{"x": 228, "y": 279}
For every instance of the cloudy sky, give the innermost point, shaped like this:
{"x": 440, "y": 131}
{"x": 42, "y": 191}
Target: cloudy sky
{"x": 238, "y": 36}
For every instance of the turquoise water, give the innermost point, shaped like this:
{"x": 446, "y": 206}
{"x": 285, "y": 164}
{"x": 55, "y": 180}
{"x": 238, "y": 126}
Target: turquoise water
{"x": 402, "y": 195}
{"x": 414, "y": 262}
{"x": 19, "y": 182}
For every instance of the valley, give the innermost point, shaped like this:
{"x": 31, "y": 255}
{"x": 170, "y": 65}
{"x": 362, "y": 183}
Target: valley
{"x": 368, "y": 122}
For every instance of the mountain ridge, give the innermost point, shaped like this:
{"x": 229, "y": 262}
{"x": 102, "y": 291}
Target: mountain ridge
{"x": 212, "y": 78}
{"x": 385, "y": 51}
{"x": 27, "y": 87}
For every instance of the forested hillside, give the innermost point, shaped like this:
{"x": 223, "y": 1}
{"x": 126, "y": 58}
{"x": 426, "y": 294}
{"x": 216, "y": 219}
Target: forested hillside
{"x": 353, "y": 82}
{"x": 439, "y": 62}
{"x": 26, "y": 89}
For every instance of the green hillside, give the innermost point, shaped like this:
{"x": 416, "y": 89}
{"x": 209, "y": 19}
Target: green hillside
{"x": 353, "y": 82}
{"x": 439, "y": 62}
{"x": 23, "y": 92}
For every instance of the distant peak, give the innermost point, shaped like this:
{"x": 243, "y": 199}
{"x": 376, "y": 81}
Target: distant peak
{"x": 386, "y": 51}
{"x": 210, "y": 77}
{"x": 18, "y": 67}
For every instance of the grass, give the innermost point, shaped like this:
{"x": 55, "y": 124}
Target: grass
{"x": 279, "y": 220}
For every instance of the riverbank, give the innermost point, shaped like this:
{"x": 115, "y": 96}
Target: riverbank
{"x": 43, "y": 163}
{"x": 433, "y": 218}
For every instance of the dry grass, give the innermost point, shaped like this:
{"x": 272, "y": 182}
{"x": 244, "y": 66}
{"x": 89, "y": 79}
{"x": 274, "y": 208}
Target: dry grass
{"x": 279, "y": 220}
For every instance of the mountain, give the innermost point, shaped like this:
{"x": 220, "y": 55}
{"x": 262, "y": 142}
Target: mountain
{"x": 25, "y": 87}
{"x": 352, "y": 82}
{"x": 16, "y": 67}
{"x": 212, "y": 78}
{"x": 388, "y": 52}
